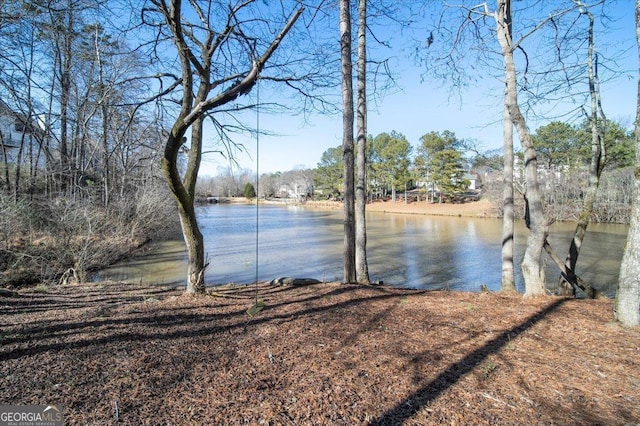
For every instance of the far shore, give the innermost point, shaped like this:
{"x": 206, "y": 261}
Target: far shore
{"x": 481, "y": 208}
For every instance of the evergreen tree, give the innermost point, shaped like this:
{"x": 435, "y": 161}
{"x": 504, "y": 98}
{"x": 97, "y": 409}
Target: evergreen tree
{"x": 328, "y": 174}
{"x": 448, "y": 172}
{"x": 440, "y": 163}
{"x": 390, "y": 161}
{"x": 558, "y": 144}
{"x": 249, "y": 191}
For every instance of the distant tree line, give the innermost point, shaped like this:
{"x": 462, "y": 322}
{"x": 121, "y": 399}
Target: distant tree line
{"x": 233, "y": 183}
{"x": 441, "y": 162}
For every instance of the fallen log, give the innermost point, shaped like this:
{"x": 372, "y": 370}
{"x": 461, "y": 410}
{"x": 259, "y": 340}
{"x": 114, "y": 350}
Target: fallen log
{"x": 293, "y": 281}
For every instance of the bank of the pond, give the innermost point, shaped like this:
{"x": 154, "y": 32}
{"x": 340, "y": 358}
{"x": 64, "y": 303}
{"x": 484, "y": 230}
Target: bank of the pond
{"x": 481, "y": 208}
{"x": 320, "y": 354}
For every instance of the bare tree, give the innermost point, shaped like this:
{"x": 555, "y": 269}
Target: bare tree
{"x": 204, "y": 90}
{"x": 597, "y": 121}
{"x": 347, "y": 142}
{"x": 532, "y": 268}
{"x": 540, "y": 80}
{"x": 362, "y": 268}
{"x": 628, "y": 297}
{"x": 61, "y": 24}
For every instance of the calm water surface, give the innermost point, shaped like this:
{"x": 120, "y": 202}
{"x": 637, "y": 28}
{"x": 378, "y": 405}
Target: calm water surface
{"x": 414, "y": 251}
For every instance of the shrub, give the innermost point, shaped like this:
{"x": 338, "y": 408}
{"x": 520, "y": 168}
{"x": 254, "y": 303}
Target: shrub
{"x": 58, "y": 239}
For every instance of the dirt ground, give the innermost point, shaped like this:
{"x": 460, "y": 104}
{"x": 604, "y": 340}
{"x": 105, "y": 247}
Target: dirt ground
{"x": 323, "y": 354}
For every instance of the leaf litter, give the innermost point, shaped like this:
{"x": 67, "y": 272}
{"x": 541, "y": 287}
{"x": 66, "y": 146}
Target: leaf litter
{"x": 317, "y": 354}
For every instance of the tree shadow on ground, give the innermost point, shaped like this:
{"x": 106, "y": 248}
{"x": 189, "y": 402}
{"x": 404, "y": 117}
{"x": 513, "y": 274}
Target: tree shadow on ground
{"x": 421, "y": 398}
{"x": 348, "y": 355}
{"x": 44, "y": 337}
{"x": 30, "y": 302}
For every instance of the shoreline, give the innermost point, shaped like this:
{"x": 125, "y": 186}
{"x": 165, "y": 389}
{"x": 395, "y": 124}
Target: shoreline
{"x": 481, "y": 208}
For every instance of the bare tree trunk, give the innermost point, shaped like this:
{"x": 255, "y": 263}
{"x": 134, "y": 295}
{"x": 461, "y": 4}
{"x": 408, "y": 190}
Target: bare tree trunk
{"x": 347, "y": 143}
{"x": 508, "y": 280}
{"x": 405, "y": 193}
{"x": 105, "y": 123}
{"x": 362, "y": 268}
{"x": 195, "y": 243}
{"x": 190, "y": 230}
{"x": 628, "y": 297}
{"x": 567, "y": 287}
{"x": 50, "y": 165}
{"x": 5, "y": 161}
{"x": 18, "y": 161}
{"x": 532, "y": 268}
{"x": 64, "y": 53}
{"x": 195, "y": 155}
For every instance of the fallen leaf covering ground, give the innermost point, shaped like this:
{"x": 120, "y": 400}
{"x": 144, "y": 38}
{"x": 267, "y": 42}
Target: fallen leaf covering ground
{"x": 319, "y": 354}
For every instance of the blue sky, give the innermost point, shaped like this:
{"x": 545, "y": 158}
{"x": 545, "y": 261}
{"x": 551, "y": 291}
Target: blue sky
{"x": 418, "y": 107}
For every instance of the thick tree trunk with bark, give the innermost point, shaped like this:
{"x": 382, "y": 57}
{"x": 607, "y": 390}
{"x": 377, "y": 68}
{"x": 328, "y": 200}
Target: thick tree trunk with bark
{"x": 532, "y": 268}
{"x": 190, "y": 230}
{"x": 362, "y": 268}
{"x": 628, "y": 297}
{"x": 347, "y": 143}
{"x": 194, "y": 241}
{"x": 508, "y": 280}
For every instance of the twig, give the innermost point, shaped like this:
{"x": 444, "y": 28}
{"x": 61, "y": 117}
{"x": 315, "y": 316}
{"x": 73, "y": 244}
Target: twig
{"x": 116, "y": 412}
{"x": 229, "y": 296}
{"x": 486, "y": 395}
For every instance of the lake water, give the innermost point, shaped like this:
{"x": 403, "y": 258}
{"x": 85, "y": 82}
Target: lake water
{"x": 416, "y": 251}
